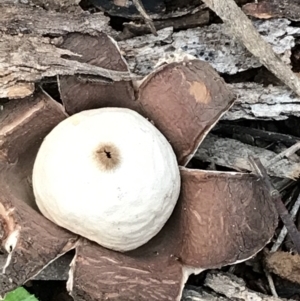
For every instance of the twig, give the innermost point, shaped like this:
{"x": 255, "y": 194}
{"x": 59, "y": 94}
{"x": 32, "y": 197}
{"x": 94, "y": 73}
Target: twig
{"x": 140, "y": 7}
{"x": 286, "y": 153}
{"x": 242, "y": 29}
{"x": 275, "y": 195}
{"x": 271, "y": 283}
{"x": 283, "y": 231}
{"x": 278, "y": 243}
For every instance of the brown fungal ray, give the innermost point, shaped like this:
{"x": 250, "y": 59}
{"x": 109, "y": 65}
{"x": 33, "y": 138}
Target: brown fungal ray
{"x": 151, "y": 272}
{"x": 220, "y": 219}
{"x": 84, "y": 93}
{"x": 24, "y": 124}
{"x": 224, "y": 217}
{"x": 28, "y": 241}
{"x": 185, "y": 100}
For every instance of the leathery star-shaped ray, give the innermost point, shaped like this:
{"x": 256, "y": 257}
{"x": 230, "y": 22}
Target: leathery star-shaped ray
{"x": 220, "y": 218}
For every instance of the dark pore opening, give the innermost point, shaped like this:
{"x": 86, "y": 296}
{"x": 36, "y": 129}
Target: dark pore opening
{"x": 107, "y": 156}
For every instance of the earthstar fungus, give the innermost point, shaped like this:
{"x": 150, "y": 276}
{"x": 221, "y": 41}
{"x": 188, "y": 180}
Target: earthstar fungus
{"x": 120, "y": 177}
{"x": 220, "y": 217}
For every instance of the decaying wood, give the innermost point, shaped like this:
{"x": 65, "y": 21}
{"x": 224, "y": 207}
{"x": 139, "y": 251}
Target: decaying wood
{"x": 143, "y": 53}
{"x": 255, "y": 101}
{"x": 59, "y": 5}
{"x": 287, "y": 153}
{"x": 234, "y": 154}
{"x": 274, "y": 8}
{"x": 234, "y": 288}
{"x": 27, "y": 56}
{"x": 25, "y": 60}
{"x": 34, "y": 20}
{"x": 196, "y": 19}
{"x": 156, "y": 9}
{"x": 242, "y": 29}
{"x": 252, "y": 135}
{"x": 211, "y": 43}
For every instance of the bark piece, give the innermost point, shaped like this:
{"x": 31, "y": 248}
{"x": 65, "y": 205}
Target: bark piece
{"x": 87, "y": 93}
{"x": 255, "y": 101}
{"x": 266, "y": 103}
{"x": 227, "y": 55}
{"x": 234, "y": 288}
{"x": 58, "y": 5}
{"x": 184, "y": 100}
{"x": 274, "y": 9}
{"x": 18, "y": 90}
{"x": 196, "y": 19}
{"x": 17, "y": 19}
{"x": 234, "y": 154}
{"x": 241, "y": 28}
{"x": 156, "y": 9}
{"x": 28, "y": 241}
{"x": 27, "y": 59}
{"x": 127, "y": 9}
{"x": 225, "y": 209}
{"x": 285, "y": 265}
{"x": 252, "y": 135}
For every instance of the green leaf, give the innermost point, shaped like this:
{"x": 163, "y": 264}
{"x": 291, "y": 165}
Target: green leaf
{"x": 20, "y": 294}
